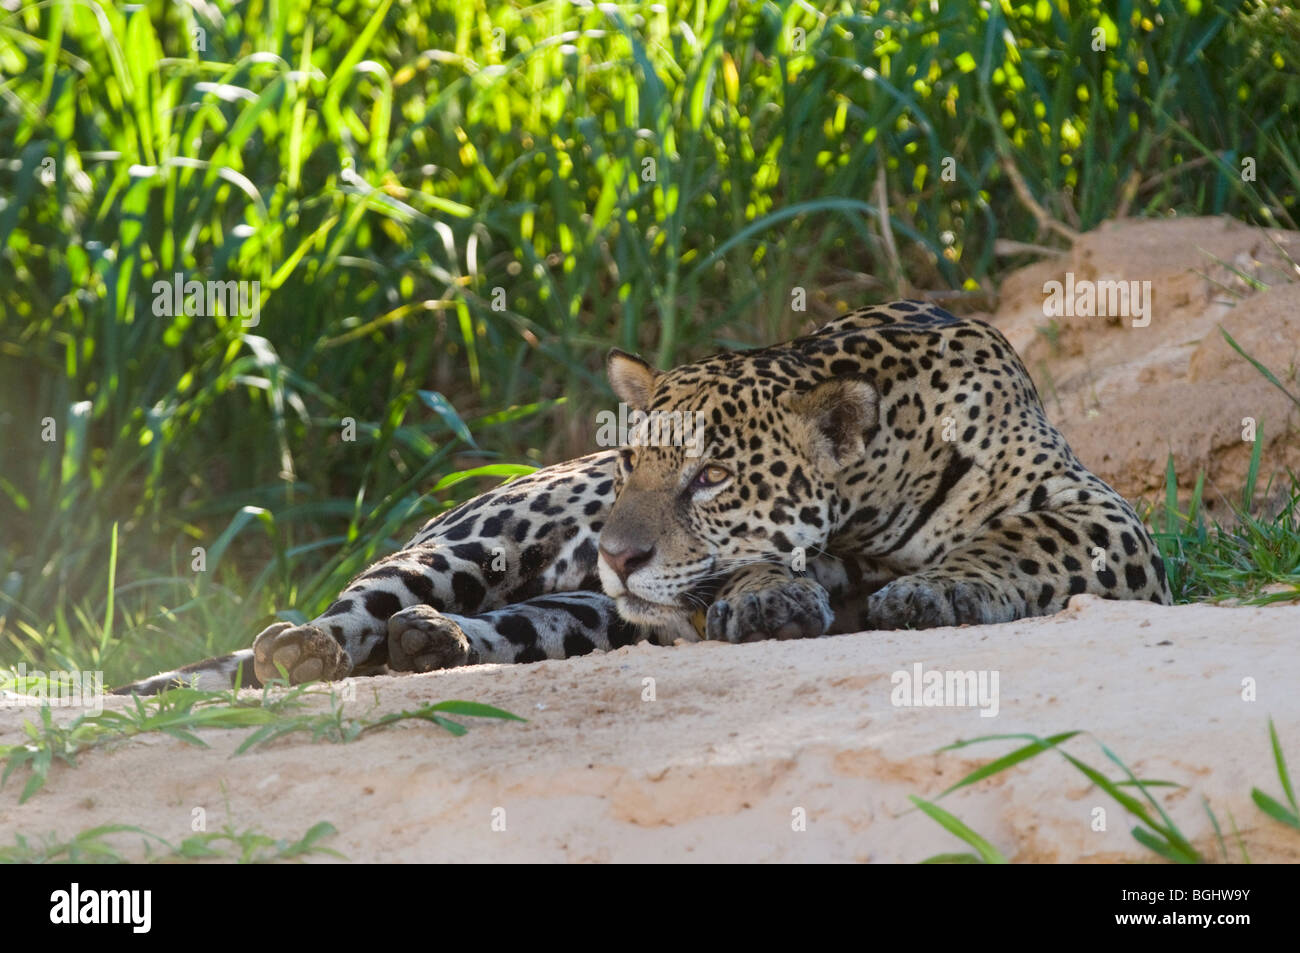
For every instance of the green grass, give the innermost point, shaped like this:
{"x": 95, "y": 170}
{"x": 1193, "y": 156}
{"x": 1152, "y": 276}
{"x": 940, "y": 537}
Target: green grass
{"x": 93, "y": 846}
{"x": 1289, "y": 813}
{"x": 180, "y": 712}
{"x": 449, "y": 210}
{"x": 1252, "y": 552}
{"x": 1156, "y": 830}
{"x": 1252, "y": 558}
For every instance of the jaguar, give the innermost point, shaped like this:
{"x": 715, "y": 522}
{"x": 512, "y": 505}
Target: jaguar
{"x": 893, "y": 469}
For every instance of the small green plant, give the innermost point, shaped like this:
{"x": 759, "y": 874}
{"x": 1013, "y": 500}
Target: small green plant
{"x": 1237, "y": 560}
{"x": 334, "y": 726}
{"x": 85, "y": 847}
{"x": 988, "y": 854}
{"x": 92, "y": 846}
{"x": 1270, "y": 806}
{"x": 1161, "y": 836}
{"x": 179, "y": 712}
{"x": 1155, "y": 831}
{"x": 252, "y": 846}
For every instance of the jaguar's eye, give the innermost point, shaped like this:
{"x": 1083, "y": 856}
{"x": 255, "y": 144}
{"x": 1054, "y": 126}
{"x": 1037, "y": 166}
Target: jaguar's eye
{"x": 711, "y": 476}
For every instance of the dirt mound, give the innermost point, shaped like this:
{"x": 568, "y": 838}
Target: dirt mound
{"x": 1126, "y": 393}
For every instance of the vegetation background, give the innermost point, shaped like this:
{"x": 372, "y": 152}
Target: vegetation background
{"x": 453, "y": 207}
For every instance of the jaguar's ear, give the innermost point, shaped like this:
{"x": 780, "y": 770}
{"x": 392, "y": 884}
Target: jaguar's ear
{"x": 632, "y": 378}
{"x": 841, "y": 411}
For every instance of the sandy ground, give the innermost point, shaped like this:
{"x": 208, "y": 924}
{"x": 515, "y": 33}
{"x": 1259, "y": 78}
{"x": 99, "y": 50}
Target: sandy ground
{"x": 740, "y": 742}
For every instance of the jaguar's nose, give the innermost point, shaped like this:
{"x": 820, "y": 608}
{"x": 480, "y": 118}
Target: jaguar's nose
{"x": 626, "y": 560}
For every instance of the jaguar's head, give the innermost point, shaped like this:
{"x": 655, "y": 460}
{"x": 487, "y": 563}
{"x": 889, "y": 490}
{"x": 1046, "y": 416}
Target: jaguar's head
{"x": 733, "y": 460}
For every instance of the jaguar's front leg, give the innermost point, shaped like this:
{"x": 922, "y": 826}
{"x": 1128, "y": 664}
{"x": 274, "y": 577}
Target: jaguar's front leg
{"x": 768, "y": 601}
{"x": 561, "y": 625}
{"x": 1029, "y": 564}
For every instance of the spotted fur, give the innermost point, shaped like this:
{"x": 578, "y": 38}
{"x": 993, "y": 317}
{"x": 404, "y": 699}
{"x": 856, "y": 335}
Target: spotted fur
{"x": 893, "y": 469}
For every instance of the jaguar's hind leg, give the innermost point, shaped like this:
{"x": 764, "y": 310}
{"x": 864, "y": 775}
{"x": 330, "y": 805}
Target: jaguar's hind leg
{"x": 211, "y": 675}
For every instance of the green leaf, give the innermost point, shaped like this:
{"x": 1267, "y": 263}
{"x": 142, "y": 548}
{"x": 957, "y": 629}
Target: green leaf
{"x": 988, "y": 853}
{"x": 1268, "y": 375}
{"x": 490, "y": 470}
{"x": 1283, "y": 775}
{"x": 246, "y": 515}
{"x": 441, "y": 406}
{"x": 1274, "y": 809}
{"x": 1160, "y": 846}
{"x": 475, "y": 709}
{"x": 456, "y": 728}
{"x": 1037, "y": 747}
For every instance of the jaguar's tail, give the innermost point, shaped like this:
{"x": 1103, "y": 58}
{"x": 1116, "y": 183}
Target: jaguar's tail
{"x": 213, "y": 675}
